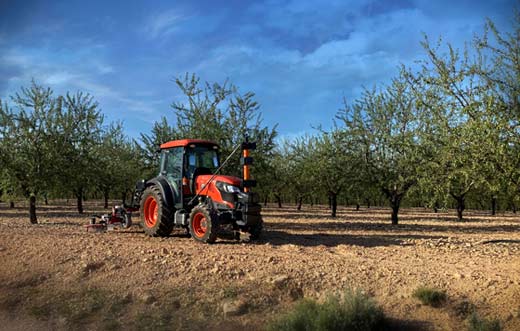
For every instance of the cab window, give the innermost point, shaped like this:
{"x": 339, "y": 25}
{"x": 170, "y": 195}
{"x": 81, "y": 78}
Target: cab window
{"x": 172, "y": 163}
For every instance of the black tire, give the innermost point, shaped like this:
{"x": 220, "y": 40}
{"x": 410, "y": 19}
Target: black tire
{"x": 204, "y": 225}
{"x": 156, "y": 216}
{"x": 256, "y": 230}
{"x": 127, "y": 220}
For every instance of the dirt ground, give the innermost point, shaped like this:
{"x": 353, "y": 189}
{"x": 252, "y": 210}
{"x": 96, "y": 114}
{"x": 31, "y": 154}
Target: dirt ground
{"x": 56, "y": 276}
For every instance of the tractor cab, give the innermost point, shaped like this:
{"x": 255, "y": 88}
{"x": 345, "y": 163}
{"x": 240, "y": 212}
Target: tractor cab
{"x": 182, "y": 161}
{"x": 188, "y": 192}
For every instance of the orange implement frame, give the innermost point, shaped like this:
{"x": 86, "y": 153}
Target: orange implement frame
{"x": 246, "y": 169}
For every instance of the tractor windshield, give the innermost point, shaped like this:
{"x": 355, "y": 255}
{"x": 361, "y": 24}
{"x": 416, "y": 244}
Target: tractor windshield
{"x": 205, "y": 157}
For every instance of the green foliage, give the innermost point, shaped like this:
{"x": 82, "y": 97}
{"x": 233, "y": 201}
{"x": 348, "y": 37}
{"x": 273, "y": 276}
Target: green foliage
{"x": 354, "y": 312}
{"x": 382, "y": 129}
{"x": 161, "y": 133}
{"x": 216, "y": 112}
{"x": 477, "y": 323}
{"x": 28, "y": 146}
{"x": 117, "y": 166}
{"x": 80, "y": 124}
{"x": 59, "y": 145}
{"x": 430, "y": 296}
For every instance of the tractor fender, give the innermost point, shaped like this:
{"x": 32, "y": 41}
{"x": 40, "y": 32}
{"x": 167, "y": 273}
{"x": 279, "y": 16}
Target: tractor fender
{"x": 170, "y": 194}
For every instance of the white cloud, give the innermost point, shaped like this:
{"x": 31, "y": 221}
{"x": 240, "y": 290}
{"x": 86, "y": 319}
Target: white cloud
{"x": 162, "y": 24}
{"x": 60, "y": 78}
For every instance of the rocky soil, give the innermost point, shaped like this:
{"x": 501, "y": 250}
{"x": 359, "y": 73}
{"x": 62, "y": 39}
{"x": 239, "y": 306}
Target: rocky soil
{"x": 56, "y": 276}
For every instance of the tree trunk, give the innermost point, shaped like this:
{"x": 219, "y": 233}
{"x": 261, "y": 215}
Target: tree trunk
{"x": 265, "y": 201}
{"x": 368, "y": 203}
{"x": 357, "y": 206}
{"x": 395, "y": 213}
{"x": 334, "y": 204}
{"x": 395, "y": 202}
{"x": 46, "y": 200}
{"x": 461, "y": 205}
{"x": 105, "y": 196}
{"x": 493, "y": 206}
{"x": 300, "y": 200}
{"x": 278, "y": 200}
{"x": 32, "y": 209}
{"x": 514, "y": 208}
{"x": 11, "y": 204}
{"x": 79, "y": 200}
{"x": 123, "y": 197}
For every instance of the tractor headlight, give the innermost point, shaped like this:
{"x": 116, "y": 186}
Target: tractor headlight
{"x": 228, "y": 188}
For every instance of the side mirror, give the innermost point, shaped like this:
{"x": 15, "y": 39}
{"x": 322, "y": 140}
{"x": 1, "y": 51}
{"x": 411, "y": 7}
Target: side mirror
{"x": 140, "y": 185}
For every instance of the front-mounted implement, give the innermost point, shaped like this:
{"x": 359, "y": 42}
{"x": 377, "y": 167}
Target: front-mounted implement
{"x": 189, "y": 192}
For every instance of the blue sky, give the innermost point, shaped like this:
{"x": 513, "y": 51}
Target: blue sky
{"x": 301, "y": 58}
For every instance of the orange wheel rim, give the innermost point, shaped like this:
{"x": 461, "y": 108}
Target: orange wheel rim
{"x": 150, "y": 212}
{"x": 200, "y": 225}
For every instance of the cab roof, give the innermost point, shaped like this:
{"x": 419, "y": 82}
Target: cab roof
{"x": 186, "y": 142}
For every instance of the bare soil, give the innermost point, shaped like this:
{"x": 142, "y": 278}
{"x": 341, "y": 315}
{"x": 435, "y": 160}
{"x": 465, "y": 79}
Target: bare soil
{"x": 56, "y": 276}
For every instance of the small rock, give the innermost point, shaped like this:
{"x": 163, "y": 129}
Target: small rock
{"x": 175, "y": 304}
{"x": 92, "y": 266}
{"x": 280, "y": 280}
{"x": 164, "y": 251}
{"x": 269, "y": 260}
{"x": 234, "y": 308}
{"x": 62, "y": 321}
{"x": 458, "y": 276}
{"x": 127, "y": 298}
{"x": 148, "y": 298}
{"x": 296, "y": 293}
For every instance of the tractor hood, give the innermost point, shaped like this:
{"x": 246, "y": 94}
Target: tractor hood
{"x": 201, "y": 182}
{"x": 219, "y": 188}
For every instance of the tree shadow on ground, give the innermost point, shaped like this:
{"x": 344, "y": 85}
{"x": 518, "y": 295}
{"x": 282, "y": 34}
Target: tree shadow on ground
{"x": 278, "y": 238}
{"x": 387, "y": 227}
{"x": 384, "y": 217}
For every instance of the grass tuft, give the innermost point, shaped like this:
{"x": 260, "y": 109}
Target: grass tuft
{"x": 430, "y": 296}
{"x": 354, "y": 312}
{"x": 477, "y": 323}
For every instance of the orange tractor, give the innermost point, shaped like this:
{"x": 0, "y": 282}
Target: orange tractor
{"x": 189, "y": 192}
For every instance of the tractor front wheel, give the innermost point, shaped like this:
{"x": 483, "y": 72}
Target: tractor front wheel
{"x": 203, "y": 225}
{"x": 156, "y": 216}
{"x": 256, "y": 230}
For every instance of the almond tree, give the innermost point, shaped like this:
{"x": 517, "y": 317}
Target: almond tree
{"x": 466, "y": 132}
{"x": 384, "y": 129}
{"x": 28, "y": 146}
{"x": 80, "y": 133}
{"x": 502, "y": 77}
{"x": 117, "y": 167}
{"x": 217, "y": 112}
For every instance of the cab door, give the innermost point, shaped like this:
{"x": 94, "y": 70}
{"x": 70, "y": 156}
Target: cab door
{"x": 171, "y": 168}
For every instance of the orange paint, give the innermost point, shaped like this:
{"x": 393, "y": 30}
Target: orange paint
{"x": 246, "y": 169}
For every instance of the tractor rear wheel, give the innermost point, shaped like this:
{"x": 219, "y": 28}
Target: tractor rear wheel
{"x": 156, "y": 216}
{"x": 204, "y": 225}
